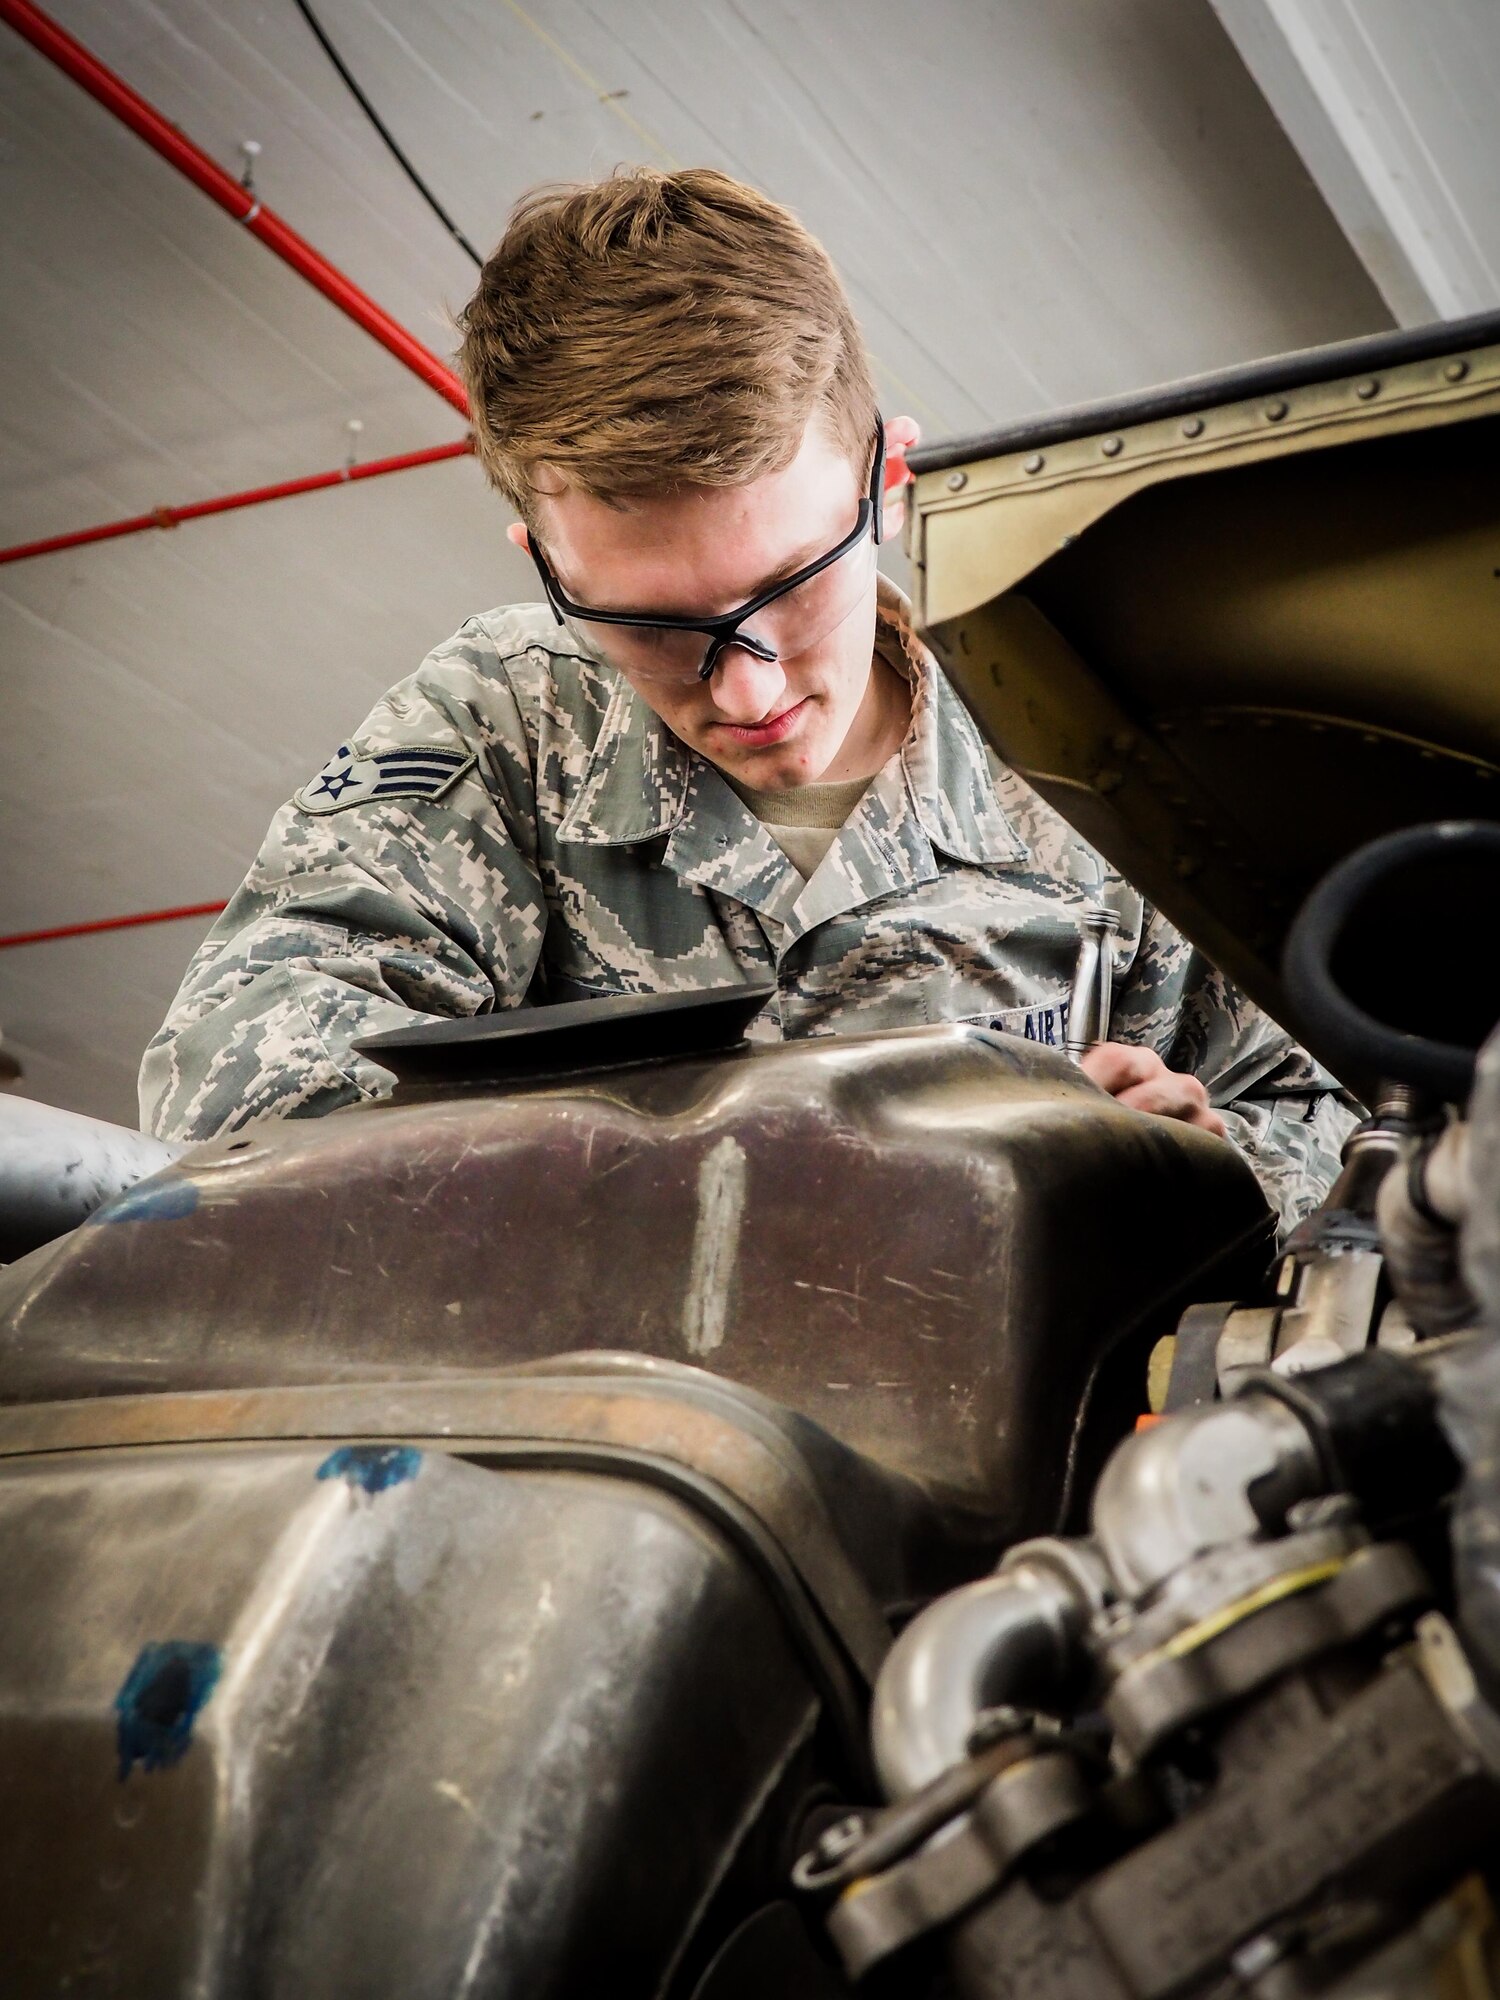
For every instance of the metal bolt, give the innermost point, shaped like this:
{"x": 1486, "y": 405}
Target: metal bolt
{"x": 1366, "y": 389}
{"x": 1034, "y": 463}
{"x": 1456, "y": 371}
{"x": 994, "y": 1725}
{"x": 1192, "y": 427}
{"x": 1112, "y": 447}
{"x": 835, "y": 1841}
{"x": 1275, "y": 412}
{"x": 957, "y": 481}
{"x": 249, "y": 153}
{"x": 1258, "y": 1956}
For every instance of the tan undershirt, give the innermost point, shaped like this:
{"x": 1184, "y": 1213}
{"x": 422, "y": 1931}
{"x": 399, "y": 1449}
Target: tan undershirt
{"x": 805, "y": 821}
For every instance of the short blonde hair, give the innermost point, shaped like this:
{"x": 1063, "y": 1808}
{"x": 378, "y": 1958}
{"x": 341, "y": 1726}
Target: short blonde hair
{"x": 658, "y": 330}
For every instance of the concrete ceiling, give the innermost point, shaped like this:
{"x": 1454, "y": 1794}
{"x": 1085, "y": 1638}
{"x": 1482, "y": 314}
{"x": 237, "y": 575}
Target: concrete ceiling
{"x": 1392, "y": 109}
{"x": 1032, "y": 205}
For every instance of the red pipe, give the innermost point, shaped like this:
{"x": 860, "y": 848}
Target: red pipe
{"x": 168, "y": 517}
{"x": 179, "y": 151}
{"x": 111, "y": 924}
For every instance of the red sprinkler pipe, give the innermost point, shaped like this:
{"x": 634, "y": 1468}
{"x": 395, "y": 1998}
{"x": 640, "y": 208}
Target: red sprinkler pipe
{"x": 255, "y": 496}
{"x": 179, "y": 151}
{"x": 111, "y": 924}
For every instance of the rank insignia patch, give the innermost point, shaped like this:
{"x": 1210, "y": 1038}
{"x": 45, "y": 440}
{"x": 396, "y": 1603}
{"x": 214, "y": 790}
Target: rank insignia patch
{"x": 420, "y": 771}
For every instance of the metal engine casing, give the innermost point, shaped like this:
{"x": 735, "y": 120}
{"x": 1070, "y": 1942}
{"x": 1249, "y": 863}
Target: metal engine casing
{"x": 264, "y": 1731}
{"x": 926, "y": 1240}
{"x": 366, "y": 1645}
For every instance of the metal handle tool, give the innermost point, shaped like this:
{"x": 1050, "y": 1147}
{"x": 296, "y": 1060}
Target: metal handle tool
{"x": 1093, "y": 981}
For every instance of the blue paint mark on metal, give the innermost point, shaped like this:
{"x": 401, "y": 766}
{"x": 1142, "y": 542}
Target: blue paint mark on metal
{"x": 372, "y": 1467}
{"x": 162, "y": 1698}
{"x": 153, "y": 1201}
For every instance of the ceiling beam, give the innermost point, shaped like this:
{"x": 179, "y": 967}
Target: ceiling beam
{"x": 1391, "y": 107}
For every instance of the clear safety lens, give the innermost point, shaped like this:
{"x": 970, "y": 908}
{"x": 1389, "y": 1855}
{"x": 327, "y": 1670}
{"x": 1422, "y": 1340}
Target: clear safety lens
{"x": 788, "y": 626}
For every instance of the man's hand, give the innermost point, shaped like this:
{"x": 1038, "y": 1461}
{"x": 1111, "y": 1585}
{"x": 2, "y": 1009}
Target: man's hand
{"x": 1139, "y": 1078}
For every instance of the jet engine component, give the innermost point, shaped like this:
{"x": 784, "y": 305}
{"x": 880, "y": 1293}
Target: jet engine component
{"x": 872, "y": 1230}
{"x": 1228, "y": 1729}
{"x": 1419, "y": 1209}
{"x": 1378, "y": 1263}
{"x": 1416, "y": 1017}
{"x": 57, "y": 1167}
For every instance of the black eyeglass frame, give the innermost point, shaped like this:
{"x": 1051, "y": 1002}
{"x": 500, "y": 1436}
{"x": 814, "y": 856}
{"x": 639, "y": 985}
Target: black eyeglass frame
{"x": 722, "y": 633}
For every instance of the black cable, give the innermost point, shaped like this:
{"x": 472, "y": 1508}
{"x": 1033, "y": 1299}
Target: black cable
{"x": 385, "y": 132}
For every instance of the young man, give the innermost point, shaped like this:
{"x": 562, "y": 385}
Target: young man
{"x": 715, "y": 752}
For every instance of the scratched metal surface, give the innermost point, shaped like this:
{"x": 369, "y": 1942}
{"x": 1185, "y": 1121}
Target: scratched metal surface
{"x": 1033, "y": 205}
{"x": 372, "y": 1722}
{"x": 923, "y": 1240}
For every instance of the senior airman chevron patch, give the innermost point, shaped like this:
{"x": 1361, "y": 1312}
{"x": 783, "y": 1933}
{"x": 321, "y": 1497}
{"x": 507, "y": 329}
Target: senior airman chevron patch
{"x": 419, "y": 771}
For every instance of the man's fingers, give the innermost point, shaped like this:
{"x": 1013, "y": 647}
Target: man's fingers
{"x": 1173, "y": 1096}
{"x": 1115, "y": 1067}
{"x": 1139, "y": 1078}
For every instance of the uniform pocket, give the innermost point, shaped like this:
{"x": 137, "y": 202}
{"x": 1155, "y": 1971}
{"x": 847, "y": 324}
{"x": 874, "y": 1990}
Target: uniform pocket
{"x": 1043, "y": 1021}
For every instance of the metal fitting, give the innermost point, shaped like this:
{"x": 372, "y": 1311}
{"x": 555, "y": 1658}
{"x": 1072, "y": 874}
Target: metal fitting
{"x": 1197, "y": 1481}
{"x": 1419, "y": 1210}
{"x": 1014, "y": 1636}
{"x": 1091, "y": 1000}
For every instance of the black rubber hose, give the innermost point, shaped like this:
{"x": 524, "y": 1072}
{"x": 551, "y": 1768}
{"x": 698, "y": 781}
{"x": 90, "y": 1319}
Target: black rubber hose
{"x": 1391, "y": 963}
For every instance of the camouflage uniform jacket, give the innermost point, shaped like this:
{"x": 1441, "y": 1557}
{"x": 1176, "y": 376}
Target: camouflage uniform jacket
{"x": 512, "y": 825}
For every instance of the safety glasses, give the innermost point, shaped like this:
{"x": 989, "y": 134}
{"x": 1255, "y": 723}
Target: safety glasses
{"x": 781, "y": 622}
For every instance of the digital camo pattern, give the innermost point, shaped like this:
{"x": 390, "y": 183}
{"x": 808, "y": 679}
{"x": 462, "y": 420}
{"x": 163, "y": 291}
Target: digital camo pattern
{"x": 571, "y": 846}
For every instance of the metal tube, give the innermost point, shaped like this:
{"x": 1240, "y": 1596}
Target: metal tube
{"x": 1169, "y": 1493}
{"x": 1422, "y": 1204}
{"x": 110, "y": 90}
{"x": 111, "y": 924}
{"x": 227, "y": 503}
{"x": 1090, "y": 1002}
{"x": 57, "y": 1167}
{"x": 1007, "y": 1638}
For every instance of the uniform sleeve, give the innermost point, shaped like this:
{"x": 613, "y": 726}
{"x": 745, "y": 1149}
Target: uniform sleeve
{"x": 1285, "y": 1112}
{"x": 362, "y": 915}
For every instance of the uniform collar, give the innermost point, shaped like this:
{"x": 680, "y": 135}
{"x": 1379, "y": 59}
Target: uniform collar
{"x": 946, "y": 765}
{"x": 641, "y": 782}
{"x": 636, "y": 780}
